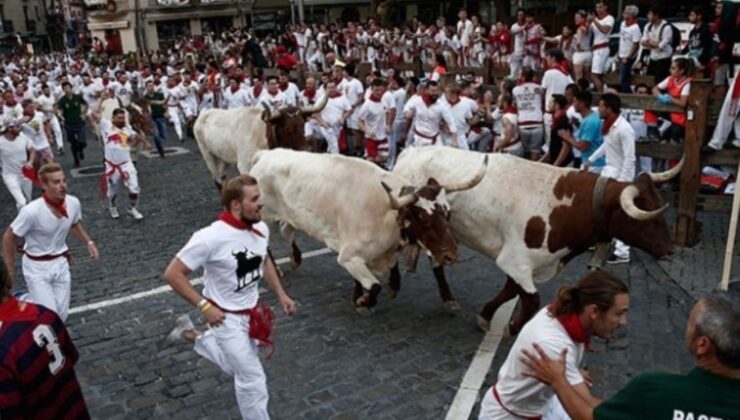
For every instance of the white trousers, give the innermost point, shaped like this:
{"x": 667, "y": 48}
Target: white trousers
{"x": 230, "y": 347}
{"x": 56, "y": 130}
{"x": 515, "y": 63}
{"x": 19, "y": 187}
{"x": 174, "y": 114}
{"x": 621, "y": 249}
{"x": 330, "y": 135}
{"x": 727, "y": 119}
{"x": 490, "y": 409}
{"x": 49, "y": 283}
{"x": 396, "y": 135}
{"x": 116, "y": 179}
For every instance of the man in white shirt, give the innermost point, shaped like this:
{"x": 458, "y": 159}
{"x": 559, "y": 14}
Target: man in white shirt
{"x": 328, "y": 123}
{"x": 375, "y": 121}
{"x": 399, "y": 91}
{"x": 172, "y": 100}
{"x": 33, "y": 127}
{"x": 121, "y": 88}
{"x": 234, "y": 96}
{"x": 353, "y": 90}
{"x": 464, "y": 34}
{"x": 15, "y": 153}
{"x": 629, "y": 44}
{"x": 556, "y": 78}
{"x": 528, "y": 99}
{"x": 289, "y": 89}
{"x": 619, "y": 149}
{"x": 519, "y": 34}
{"x": 44, "y": 225}
{"x": 91, "y": 92}
{"x": 310, "y": 96}
{"x": 596, "y": 306}
{"x": 47, "y": 104}
{"x": 427, "y": 113}
{"x": 255, "y": 92}
{"x": 273, "y": 98}
{"x": 464, "y": 112}
{"x": 188, "y": 93}
{"x": 657, "y": 37}
{"x": 601, "y": 27}
{"x": 233, "y": 251}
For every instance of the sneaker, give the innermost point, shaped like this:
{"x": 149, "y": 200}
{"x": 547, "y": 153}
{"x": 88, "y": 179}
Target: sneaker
{"x": 114, "y": 212}
{"x": 182, "y": 324}
{"x": 60, "y": 151}
{"x": 617, "y": 260}
{"x": 135, "y": 213}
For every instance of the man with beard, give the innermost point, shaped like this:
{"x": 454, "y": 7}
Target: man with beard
{"x": 427, "y": 115}
{"x": 44, "y": 225}
{"x": 233, "y": 253}
{"x": 710, "y": 391}
{"x": 596, "y": 306}
{"x": 16, "y": 151}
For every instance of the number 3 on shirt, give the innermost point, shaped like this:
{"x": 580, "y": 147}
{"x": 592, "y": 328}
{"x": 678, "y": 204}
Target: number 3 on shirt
{"x": 45, "y": 337}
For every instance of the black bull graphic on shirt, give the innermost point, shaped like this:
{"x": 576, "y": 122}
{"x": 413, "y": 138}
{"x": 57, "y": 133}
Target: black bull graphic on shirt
{"x": 248, "y": 268}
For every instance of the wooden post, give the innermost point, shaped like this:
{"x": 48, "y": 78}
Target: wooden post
{"x": 725, "y": 283}
{"x": 687, "y": 228}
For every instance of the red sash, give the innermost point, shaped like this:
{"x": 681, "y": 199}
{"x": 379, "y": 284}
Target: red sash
{"x": 261, "y": 322}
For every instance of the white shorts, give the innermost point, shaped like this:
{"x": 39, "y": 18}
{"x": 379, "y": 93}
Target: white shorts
{"x": 131, "y": 181}
{"x": 582, "y": 58}
{"x": 598, "y": 64}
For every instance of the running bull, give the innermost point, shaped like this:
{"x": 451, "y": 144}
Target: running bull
{"x": 360, "y": 211}
{"x": 232, "y": 136}
{"x": 533, "y": 218}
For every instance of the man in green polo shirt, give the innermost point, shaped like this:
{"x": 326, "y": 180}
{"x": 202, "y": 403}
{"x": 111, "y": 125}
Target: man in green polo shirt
{"x": 710, "y": 391}
{"x": 72, "y": 108}
{"x": 157, "y": 105}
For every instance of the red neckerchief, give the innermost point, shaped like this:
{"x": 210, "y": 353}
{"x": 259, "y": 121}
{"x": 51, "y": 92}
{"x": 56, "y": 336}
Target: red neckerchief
{"x": 29, "y": 113}
{"x": 335, "y": 94}
{"x": 574, "y": 327}
{"x": 511, "y": 109}
{"x": 232, "y": 221}
{"x": 608, "y": 123}
{"x": 234, "y": 89}
{"x": 563, "y": 67}
{"x": 374, "y": 98}
{"x": 283, "y": 87}
{"x": 309, "y": 93}
{"x": 59, "y": 206}
{"x": 630, "y": 21}
{"x": 557, "y": 117}
{"x": 105, "y": 82}
{"x": 257, "y": 91}
{"x": 427, "y": 100}
{"x": 10, "y": 103}
{"x": 14, "y": 310}
{"x": 440, "y": 70}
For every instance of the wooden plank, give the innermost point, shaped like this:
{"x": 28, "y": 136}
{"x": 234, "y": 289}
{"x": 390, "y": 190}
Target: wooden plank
{"x": 687, "y": 229}
{"x": 710, "y": 203}
{"x": 647, "y": 102}
{"x": 658, "y": 151}
{"x": 612, "y": 79}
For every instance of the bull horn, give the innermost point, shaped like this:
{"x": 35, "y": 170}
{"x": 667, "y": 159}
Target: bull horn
{"x": 316, "y": 108}
{"x": 397, "y": 203}
{"x": 472, "y": 182}
{"x": 627, "y": 201}
{"x": 669, "y": 174}
{"x": 267, "y": 115}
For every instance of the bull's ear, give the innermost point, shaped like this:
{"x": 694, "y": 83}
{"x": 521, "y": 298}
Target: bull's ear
{"x": 407, "y": 190}
{"x": 432, "y": 182}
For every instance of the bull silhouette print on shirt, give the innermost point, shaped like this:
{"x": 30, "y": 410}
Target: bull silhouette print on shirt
{"x": 248, "y": 268}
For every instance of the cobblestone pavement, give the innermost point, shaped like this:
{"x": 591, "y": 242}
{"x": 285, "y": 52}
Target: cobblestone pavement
{"x": 404, "y": 362}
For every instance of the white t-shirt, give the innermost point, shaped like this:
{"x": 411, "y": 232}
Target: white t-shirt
{"x": 373, "y": 114}
{"x": 14, "y": 154}
{"x": 600, "y": 37}
{"x": 291, "y": 94}
{"x": 235, "y": 99}
{"x": 89, "y": 92}
{"x": 399, "y": 98}
{"x": 427, "y": 119}
{"x": 462, "y": 111}
{"x": 43, "y": 232}
{"x": 122, "y": 91}
{"x": 275, "y": 102}
{"x": 519, "y": 33}
{"x": 117, "y": 149}
{"x": 334, "y": 109}
{"x": 527, "y": 396}
{"x": 34, "y": 129}
{"x": 554, "y": 82}
{"x": 528, "y": 99}
{"x": 628, "y": 35}
{"x": 465, "y": 31}
{"x": 233, "y": 261}
{"x": 353, "y": 91}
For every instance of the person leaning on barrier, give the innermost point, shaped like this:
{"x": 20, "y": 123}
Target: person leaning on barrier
{"x": 710, "y": 391}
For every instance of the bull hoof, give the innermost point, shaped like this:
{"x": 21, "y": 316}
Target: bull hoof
{"x": 294, "y": 264}
{"x": 510, "y": 330}
{"x": 364, "y": 310}
{"x": 483, "y": 325}
{"x": 451, "y": 307}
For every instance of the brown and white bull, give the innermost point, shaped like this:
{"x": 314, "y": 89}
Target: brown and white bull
{"x": 533, "y": 218}
{"x": 232, "y": 136}
{"x": 360, "y": 211}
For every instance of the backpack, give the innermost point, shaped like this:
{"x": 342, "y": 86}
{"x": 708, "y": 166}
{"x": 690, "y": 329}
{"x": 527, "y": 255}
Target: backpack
{"x": 675, "y": 39}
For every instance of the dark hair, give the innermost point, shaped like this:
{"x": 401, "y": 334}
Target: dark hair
{"x": 560, "y": 100}
{"x": 440, "y": 59}
{"x": 527, "y": 73}
{"x": 4, "y": 276}
{"x": 583, "y": 83}
{"x": 698, "y": 10}
{"x": 595, "y": 288}
{"x": 271, "y": 77}
{"x": 642, "y": 85}
{"x": 398, "y": 79}
{"x": 118, "y": 111}
{"x": 656, "y": 9}
{"x": 612, "y": 102}
{"x": 507, "y": 99}
{"x": 685, "y": 64}
{"x": 556, "y": 53}
{"x": 234, "y": 189}
{"x": 584, "y": 97}
{"x": 377, "y": 82}
{"x": 350, "y": 69}
{"x": 573, "y": 87}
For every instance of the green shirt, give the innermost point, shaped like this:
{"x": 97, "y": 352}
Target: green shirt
{"x": 657, "y": 396}
{"x": 157, "y": 110}
{"x": 71, "y": 108}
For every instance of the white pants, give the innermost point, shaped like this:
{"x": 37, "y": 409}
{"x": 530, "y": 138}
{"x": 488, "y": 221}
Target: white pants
{"x": 19, "y": 187}
{"x": 515, "y": 63}
{"x": 56, "y": 131}
{"x": 582, "y": 58}
{"x": 230, "y": 347}
{"x": 116, "y": 179}
{"x": 49, "y": 283}
{"x": 621, "y": 249}
{"x": 174, "y": 114}
{"x": 396, "y": 135}
{"x": 420, "y": 141}
{"x": 727, "y": 119}
{"x": 330, "y": 135}
{"x": 490, "y": 409}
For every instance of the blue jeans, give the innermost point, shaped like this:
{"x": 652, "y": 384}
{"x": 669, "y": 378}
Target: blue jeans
{"x": 625, "y": 76}
{"x": 161, "y": 134}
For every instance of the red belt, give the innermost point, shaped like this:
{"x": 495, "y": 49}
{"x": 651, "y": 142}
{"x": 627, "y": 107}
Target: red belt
{"x": 525, "y": 124}
{"x": 261, "y": 320}
{"x": 433, "y": 139}
{"x": 498, "y": 399}
{"x": 599, "y": 46}
{"x": 116, "y": 167}
{"x": 48, "y": 257}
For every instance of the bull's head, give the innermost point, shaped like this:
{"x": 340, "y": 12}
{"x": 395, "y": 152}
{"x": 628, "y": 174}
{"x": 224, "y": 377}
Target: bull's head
{"x": 241, "y": 255}
{"x": 139, "y": 117}
{"x": 288, "y": 125}
{"x": 640, "y": 222}
{"x": 423, "y": 214}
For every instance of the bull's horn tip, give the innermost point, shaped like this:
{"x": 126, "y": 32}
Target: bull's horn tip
{"x": 385, "y": 186}
{"x": 485, "y": 160}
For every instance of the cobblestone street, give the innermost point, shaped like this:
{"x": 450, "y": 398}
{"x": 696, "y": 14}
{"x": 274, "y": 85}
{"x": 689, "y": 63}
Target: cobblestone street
{"x": 405, "y": 362}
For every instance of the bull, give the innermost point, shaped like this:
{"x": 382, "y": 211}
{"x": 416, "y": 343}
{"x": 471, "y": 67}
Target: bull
{"x": 533, "y": 218}
{"x": 232, "y": 136}
{"x": 245, "y": 264}
{"x": 360, "y": 211}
